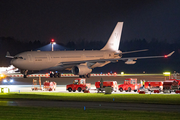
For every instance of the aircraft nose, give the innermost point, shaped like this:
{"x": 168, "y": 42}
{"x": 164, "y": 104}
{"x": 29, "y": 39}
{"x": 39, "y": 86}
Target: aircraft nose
{"x": 14, "y": 62}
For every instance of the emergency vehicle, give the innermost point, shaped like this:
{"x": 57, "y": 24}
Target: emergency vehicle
{"x": 129, "y": 84}
{"x": 154, "y": 85}
{"x": 101, "y": 86}
{"x": 79, "y": 84}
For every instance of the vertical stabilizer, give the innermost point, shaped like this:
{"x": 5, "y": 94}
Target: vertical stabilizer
{"x": 114, "y": 40}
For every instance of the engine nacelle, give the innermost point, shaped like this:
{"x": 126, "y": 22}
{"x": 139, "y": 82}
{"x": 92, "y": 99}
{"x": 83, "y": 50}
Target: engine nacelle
{"x": 130, "y": 61}
{"x": 81, "y": 70}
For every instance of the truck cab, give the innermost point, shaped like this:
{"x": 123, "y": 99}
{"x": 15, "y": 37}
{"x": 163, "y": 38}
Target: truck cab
{"x": 78, "y": 84}
{"x": 129, "y": 84}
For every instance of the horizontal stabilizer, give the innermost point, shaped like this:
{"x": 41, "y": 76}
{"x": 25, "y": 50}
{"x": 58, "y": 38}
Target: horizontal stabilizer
{"x": 8, "y": 55}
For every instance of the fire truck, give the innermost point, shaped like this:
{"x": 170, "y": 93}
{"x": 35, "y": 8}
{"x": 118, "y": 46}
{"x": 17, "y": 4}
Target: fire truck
{"x": 79, "y": 84}
{"x": 154, "y": 85}
{"x": 101, "y": 85}
{"x": 170, "y": 86}
{"x": 129, "y": 84}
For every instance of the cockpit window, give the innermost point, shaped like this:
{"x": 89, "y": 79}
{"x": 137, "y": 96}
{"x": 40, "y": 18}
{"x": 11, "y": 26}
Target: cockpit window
{"x": 18, "y": 57}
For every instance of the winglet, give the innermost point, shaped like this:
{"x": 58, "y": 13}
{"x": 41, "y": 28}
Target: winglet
{"x": 170, "y": 54}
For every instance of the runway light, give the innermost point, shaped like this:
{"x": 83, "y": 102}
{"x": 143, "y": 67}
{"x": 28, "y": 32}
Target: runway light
{"x": 166, "y": 73}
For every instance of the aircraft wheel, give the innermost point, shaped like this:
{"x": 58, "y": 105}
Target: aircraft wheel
{"x": 25, "y": 76}
{"x": 80, "y": 76}
{"x": 59, "y": 75}
{"x": 55, "y": 75}
{"x": 88, "y": 75}
{"x": 51, "y": 75}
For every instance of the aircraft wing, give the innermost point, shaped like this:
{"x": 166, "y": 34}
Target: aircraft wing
{"x": 134, "y": 51}
{"x": 115, "y": 59}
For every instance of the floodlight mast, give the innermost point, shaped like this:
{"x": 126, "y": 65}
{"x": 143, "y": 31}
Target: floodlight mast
{"x": 52, "y": 43}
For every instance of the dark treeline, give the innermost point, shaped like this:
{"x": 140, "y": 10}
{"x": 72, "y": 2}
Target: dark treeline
{"x": 155, "y": 47}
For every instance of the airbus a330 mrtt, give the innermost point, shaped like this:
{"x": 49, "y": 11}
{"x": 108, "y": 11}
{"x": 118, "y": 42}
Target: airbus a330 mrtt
{"x": 79, "y": 62}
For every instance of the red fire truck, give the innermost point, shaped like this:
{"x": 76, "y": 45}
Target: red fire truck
{"x": 154, "y": 85}
{"x": 79, "y": 84}
{"x": 129, "y": 84}
{"x": 171, "y": 86}
{"x": 101, "y": 85}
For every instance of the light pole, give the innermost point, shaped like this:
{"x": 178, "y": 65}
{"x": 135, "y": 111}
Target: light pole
{"x": 52, "y": 43}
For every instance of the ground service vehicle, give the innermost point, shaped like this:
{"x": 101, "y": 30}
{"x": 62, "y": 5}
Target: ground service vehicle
{"x": 79, "y": 84}
{"x": 49, "y": 86}
{"x": 129, "y": 84}
{"x": 170, "y": 86}
{"x": 101, "y": 85}
{"x": 175, "y": 80}
{"x": 7, "y": 81}
{"x": 154, "y": 85}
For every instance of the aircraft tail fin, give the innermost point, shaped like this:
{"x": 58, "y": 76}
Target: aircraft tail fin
{"x": 114, "y": 40}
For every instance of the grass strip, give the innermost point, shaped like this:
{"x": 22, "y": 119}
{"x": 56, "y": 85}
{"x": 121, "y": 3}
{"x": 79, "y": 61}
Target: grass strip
{"x": 97, "y": 97}
{"x": 40, "y": 113}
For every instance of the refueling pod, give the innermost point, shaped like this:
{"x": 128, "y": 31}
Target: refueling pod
{"x": 130, "y": 61}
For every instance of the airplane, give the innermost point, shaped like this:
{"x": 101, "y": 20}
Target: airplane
{"x": 80, "y": 62}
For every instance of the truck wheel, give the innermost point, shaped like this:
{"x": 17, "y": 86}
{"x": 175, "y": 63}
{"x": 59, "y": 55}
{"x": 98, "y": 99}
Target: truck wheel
{"x": 135, "y": 90}
{"x": 129, "y": 89}
{"x": 79, "y": 89}
{"x": 69, "y": 89}
{"x": 74, "y": 90}
{"x": 120, "y": 89}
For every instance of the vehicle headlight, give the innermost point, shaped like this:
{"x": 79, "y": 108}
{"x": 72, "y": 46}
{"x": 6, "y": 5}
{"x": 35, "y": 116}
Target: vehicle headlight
{"x": 5, "y": 80}
{"x": 11, "y": 80}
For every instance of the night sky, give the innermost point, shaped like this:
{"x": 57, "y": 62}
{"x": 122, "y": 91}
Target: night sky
{"x": 91, "y": 20}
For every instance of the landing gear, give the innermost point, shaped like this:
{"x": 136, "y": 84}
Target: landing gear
{"x": 85, "y": 76}
{"x": 24, "y": 72}
{"x": 55, "y": 75}
{"x": 88, "y": 75}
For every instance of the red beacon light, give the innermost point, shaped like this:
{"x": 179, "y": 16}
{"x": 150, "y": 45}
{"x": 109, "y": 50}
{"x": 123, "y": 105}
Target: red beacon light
{"x": 165, "y": 56}
{"x": 52, "y": 40}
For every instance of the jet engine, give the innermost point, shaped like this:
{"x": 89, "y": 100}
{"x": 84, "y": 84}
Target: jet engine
{"x": 130, "y": 61}
{"x": 81, "y": 70}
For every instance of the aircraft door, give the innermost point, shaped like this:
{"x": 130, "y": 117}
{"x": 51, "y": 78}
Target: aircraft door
{"x": 30, "y": 57}
{"x": 48, "y": 58}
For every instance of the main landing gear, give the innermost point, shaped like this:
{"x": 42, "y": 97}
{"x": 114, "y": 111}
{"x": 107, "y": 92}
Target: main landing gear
{"x": 85, "y": 76}
{"x": 55, "y": 75}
